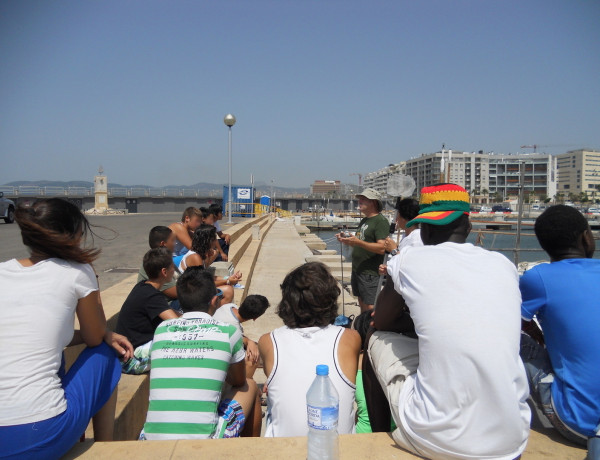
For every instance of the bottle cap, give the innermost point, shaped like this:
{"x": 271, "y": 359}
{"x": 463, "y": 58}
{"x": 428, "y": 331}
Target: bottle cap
{"x": 322, "y": 369}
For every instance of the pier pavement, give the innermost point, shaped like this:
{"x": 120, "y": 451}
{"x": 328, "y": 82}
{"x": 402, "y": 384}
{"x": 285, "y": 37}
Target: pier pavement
{"x": 282, "y": 250}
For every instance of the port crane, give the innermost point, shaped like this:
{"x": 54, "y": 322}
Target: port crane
{"x": 359, "y": 178}
{"x": 535, "y": 146}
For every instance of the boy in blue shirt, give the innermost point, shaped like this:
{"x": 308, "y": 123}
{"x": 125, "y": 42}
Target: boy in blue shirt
{"x": 564, "y": 295}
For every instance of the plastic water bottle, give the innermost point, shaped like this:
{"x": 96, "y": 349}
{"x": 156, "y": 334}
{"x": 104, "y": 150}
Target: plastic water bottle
{"x": 323, "y": 407}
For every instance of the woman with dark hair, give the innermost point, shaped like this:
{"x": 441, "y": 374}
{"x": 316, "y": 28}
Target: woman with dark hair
{"x": 43, "y": 411}
{"x": 406, "y": 210}
{"x": 203, "y": 254}
{"x": 290, "y": 354}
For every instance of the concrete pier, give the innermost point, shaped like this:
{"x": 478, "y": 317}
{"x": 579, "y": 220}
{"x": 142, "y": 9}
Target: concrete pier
{"x": 265, "y": 262}
{"x": 282, "y": 251}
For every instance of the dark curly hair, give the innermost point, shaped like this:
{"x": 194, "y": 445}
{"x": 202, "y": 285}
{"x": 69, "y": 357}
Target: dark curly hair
{"x": 408, "y": 208}
{"x": 559, "y": 227}
{"x": 309, "y": 297}
{"x": 253, "y": 306}
{"x": 203, "y": 239}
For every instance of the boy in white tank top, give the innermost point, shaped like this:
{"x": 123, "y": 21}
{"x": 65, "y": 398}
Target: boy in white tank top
{"x": 290, "y": 353}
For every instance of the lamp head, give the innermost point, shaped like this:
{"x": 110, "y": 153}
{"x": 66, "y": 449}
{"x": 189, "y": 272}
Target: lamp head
{"x": 229, "y": 120}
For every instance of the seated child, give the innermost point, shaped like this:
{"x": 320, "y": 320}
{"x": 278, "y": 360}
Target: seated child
{"x": 145, "y": 308}
{"x": 224, "y": 238}
{"x": 291, "y": 353}
{"x": 203, "y": 254}
{"x": 163, "y": 237}
{"x": 252, "y": 308}
{"x": 190, "y": 220}
{"x": 193, "y": 357}
{"x": 209, "y": 218}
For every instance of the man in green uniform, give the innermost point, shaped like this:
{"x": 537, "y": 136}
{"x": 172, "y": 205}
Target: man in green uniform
{"x": 369, "y": 247}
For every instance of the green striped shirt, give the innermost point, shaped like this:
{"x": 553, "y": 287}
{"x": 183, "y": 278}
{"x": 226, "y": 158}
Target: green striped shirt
{"x": 190, "y": 358}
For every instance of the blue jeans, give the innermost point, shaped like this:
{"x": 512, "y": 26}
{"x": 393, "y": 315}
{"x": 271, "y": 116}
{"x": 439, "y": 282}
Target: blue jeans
{"x": 88, "y": 385}
{"x": 541, "y": 376}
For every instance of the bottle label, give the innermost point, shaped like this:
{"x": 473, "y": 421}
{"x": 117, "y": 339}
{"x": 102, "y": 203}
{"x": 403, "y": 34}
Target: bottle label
{"x": 322, "y": 418}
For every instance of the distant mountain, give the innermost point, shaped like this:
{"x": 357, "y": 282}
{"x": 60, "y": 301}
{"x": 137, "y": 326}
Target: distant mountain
{"x": 52, "y": 183}
{"x": 203, "y": 186}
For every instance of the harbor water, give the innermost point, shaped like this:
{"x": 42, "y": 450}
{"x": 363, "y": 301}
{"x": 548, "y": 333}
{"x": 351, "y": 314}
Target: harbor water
{"x": 492, "y": 241}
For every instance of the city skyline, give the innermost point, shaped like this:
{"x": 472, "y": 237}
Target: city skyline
{"x": 319, "y": 90}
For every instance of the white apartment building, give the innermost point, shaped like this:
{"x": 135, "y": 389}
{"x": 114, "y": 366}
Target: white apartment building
{"x": 483, "y": 174}
{"x": 578, "y": 171}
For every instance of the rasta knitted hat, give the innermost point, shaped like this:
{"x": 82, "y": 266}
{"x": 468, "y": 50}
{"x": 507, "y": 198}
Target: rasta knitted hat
{"x": 442, "y": 204}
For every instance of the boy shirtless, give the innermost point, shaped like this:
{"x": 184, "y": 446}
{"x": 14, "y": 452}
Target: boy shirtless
{"x": 190, "y": 221}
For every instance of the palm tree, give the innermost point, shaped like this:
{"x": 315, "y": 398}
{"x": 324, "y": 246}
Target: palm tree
{"x": 486, "y": 194}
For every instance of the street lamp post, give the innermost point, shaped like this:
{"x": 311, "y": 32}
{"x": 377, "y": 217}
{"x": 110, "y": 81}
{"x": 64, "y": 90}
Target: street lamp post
{"x": 229, "y": 120}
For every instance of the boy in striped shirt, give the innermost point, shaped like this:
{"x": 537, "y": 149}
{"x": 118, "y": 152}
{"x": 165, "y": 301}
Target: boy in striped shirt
{"x": 198, "y": 384}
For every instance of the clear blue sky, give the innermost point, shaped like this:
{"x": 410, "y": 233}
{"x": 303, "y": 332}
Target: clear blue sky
{"x": 320, "y": 89}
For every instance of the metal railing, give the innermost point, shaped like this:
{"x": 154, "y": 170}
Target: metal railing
{"x": 253, "y": 209}
{"x": 130, "y": 192}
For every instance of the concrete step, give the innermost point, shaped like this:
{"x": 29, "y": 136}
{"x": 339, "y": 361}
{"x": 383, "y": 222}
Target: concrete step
{"x": 247, "y": 262}
{"x": 542, "y": 445}
{"x": 326, "y": 259}
{"x": 316, "y": 244}
{"x": 325, "y": 252}
{"x": 336, "y": 269}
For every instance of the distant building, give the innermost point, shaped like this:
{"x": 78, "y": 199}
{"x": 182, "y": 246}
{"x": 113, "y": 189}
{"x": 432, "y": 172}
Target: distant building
{"x": 378, "y": 179}
{"x": 320, "y": 187}
{"x": 487, "y": 176}
{"x": 578, "y": 172}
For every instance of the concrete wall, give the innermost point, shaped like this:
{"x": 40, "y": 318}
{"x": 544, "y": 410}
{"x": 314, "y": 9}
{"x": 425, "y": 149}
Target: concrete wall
{"x": 174, "y": 204}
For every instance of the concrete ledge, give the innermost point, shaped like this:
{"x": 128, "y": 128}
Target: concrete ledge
{"x": 326, "y": 259}
{"x": 241, "y": 235}
{"x": 316, "y": 244}
{"x": 352, "y": 446}
{"x": 132, "y": 400}
{"x": 326, "y": 252}
{"x": 248, "y": 261}
{"x": 302, "y": 230}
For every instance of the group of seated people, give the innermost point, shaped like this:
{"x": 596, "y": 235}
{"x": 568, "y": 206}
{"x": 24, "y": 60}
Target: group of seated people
{"x": 446, "y": 361}
{"x": 455, "y": 353}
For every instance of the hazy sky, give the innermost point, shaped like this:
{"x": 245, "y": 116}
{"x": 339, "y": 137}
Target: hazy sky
{"x": 320, "y": 89}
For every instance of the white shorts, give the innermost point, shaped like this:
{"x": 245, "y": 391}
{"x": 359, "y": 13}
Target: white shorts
{"x": 395, "y": 358}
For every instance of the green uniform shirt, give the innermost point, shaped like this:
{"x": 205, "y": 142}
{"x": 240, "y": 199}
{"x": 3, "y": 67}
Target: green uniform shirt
{"x": 370, "y": 230}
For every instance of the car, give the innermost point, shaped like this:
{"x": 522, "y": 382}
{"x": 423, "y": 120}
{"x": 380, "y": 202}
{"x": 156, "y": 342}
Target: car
{"x": 500, "y": 208}
{"x": 7, "y": 209}
{"x": 486, "y": 209}
{"x": 593, "y": 210}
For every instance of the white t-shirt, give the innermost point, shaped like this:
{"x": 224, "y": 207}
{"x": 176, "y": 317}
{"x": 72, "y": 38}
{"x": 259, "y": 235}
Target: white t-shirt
{"x": 467, "y": 399}
{"x": 218, "y": 226}
{"x": 225, "y": 314}
{"x": 37, "y": 307}
{"x": 412, "y": 239}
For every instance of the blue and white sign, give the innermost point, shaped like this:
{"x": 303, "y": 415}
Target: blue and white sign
{"x": 243, "y": 193}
